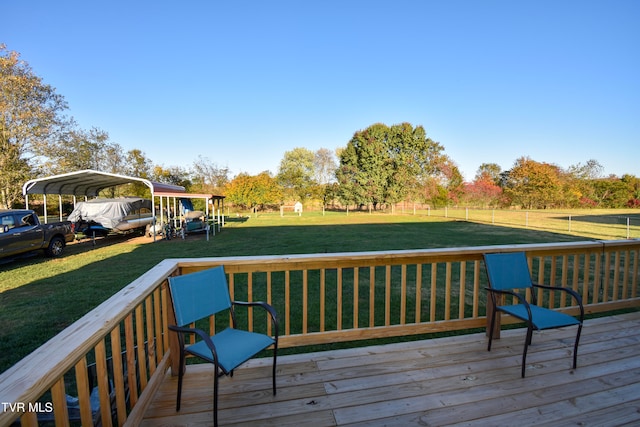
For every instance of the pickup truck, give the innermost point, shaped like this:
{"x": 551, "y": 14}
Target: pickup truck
{"x": 21, "y": 231}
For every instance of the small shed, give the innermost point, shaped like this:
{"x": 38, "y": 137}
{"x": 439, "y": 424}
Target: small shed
{"x": 297, "y": 208}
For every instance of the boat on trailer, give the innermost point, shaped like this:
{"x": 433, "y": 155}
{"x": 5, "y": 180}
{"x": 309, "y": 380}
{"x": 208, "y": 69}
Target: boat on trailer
{"x": 99, "y": 217}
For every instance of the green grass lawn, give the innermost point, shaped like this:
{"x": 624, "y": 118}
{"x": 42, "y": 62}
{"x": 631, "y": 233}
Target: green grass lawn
{"x": 39, "y": 296}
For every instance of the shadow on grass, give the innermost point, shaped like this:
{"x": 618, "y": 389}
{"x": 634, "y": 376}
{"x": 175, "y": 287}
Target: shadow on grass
{"x": 605, "y": 219}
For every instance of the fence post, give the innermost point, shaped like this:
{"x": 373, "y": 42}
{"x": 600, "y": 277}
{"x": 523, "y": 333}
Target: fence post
{"x": 628, "y": 228}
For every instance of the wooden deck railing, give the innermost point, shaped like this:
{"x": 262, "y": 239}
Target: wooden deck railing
{"x": 106, "y": 366}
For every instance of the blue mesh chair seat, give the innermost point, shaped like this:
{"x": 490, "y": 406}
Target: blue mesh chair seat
{"x": 542, "y": 318}
{"x": 202, "y": 295}
{"x": 509, "y": 274}
{"x": 234, "y": 347}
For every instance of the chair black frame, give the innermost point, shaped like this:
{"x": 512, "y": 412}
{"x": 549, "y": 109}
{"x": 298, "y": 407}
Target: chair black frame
{"x": 220, "y": 371}
{"x": 531, "y": 309}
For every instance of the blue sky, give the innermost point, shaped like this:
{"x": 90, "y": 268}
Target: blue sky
{"x": 242, "y": 82}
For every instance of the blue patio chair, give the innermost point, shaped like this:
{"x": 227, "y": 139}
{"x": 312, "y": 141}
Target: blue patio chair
{"x": 509, "y": 275}
{"x": 201, "y": 295}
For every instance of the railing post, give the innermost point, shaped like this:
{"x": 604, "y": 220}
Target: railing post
{"x": 496, "y": 327}
{"x": 174, "y": 345}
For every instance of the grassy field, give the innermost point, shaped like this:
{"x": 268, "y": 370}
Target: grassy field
{"x": 39, "y": 296}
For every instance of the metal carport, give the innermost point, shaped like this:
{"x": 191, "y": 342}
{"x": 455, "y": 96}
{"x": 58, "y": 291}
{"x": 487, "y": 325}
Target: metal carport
{"x": 87, "y": 183}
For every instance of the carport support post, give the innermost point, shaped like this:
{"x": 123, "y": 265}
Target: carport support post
{"x": 44, "y": 197}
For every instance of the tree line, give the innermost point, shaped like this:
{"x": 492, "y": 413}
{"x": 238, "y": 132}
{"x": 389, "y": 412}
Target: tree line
{"x": 380, "y": 166}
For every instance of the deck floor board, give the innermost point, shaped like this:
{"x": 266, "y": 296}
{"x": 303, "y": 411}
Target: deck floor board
{"x": 437, "y": 382}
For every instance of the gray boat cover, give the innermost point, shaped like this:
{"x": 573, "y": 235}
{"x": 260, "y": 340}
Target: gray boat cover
{"x": 108, "y": 212}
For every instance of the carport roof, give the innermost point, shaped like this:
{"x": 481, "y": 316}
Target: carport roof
{"x": 89, "y": 183}
{"x": 163, "y": 193}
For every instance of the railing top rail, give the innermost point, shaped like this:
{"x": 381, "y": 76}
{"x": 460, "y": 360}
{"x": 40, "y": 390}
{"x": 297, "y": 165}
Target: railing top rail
{"x": 42, "y": 368}
{"x": 407, "y": 253}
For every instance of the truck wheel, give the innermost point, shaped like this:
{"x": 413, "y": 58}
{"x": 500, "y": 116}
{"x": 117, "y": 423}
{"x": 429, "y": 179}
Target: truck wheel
{"x": 56, "y": 247}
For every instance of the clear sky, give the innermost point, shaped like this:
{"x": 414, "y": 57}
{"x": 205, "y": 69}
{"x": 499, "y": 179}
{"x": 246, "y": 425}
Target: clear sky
{"x": 242, "y": 82}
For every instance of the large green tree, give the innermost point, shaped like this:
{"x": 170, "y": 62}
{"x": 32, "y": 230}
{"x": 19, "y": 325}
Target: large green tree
{"x": 386, "y": 164}
{"x": 31, "y": 115}
{"x": 362, "y": 173}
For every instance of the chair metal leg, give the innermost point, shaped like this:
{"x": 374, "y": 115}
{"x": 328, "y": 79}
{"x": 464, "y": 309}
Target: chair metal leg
{"x": 575, "y": 347}
{"x": 275, "y": 352}
{"x": 180, "y": 375}
{"x": 215, "y": 397}
{"x": 493, "y": 323}
{"x": 527, "y": 343}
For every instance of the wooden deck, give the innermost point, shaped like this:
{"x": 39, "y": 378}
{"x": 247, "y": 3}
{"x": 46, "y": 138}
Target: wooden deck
{"x": 447, "y": 381}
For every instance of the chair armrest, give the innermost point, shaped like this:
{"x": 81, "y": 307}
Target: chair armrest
{"x": 570, "y": 291}
{"x": 181, "y": 330}
{"x": 267, "y": 307}
{"x": 522, "y": 300}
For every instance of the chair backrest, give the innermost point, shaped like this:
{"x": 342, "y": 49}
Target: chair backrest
{"x": 508, "y": 271}
{"x": 199, "y": 295}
